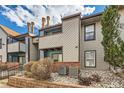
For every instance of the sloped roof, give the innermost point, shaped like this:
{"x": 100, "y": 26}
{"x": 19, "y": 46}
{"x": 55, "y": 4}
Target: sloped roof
{"x": 9, "y": 31}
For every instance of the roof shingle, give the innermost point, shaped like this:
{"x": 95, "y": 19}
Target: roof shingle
{"x": 9, "y": 31}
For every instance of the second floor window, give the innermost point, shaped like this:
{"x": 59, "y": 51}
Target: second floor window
{"x": 89, "y": 32}
{"x": 11, "y": 40}
{"x": 0, "y": 43}
{"x": 52, "y": 31}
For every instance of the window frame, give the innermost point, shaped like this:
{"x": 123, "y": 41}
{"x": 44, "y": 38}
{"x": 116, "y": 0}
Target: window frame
{"x": 58, "y": 54}
{"x": 93, "y": 31}
{"x": 85, "y": 59}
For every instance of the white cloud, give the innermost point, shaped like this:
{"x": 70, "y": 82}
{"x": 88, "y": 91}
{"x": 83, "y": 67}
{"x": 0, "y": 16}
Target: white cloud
{"x": 21, "y": 16}
{"x": 89, "y": 10}
{"x": 12, "y": 16}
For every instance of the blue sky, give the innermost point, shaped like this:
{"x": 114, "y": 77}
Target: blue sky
{"x": 16, "y": 17}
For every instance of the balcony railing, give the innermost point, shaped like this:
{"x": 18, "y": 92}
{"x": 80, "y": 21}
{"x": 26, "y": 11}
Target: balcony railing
{"x": 16, "y": 47}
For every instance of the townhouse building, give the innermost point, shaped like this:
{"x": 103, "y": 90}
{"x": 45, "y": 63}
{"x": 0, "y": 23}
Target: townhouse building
{"x": 15, "y": 47}
{"x": 76, "y": 41}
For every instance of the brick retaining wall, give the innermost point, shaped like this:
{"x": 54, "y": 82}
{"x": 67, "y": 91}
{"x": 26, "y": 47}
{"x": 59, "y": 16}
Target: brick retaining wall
{"x": 22, "y": 82}
{"x": 56, "y": 65}
{"x": 10, "y": 64}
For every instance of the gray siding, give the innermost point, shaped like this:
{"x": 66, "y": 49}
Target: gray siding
{"x": 33, "y": 48}
{"x": 3, "y": 51}
{"x": 68, "y": 39}
{"x": 93, "y": 45}
{"x": 16, "y": 47}
{"x": 121, "y": 12}
{"x": 96, "y": 44}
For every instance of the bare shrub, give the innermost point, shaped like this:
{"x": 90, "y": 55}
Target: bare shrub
{"x": 42, "y": 69}
{"x": 28, "y": 74}
{"x": 27, "y": 66}
{"x": 89, "y": 79}
{"x": 95, "y": 77}
{"x": 85, "y": 81}
{"x": 3, "y": 66}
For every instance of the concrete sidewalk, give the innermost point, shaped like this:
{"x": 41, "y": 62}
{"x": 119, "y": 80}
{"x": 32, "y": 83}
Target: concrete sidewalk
{"x": 3, "y": 84}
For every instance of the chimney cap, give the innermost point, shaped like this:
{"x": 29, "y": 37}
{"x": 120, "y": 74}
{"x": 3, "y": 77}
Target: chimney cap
{"x": 28, "y": 23}
{"x": 48, "y": 17}
{"x": 43, "y": 18}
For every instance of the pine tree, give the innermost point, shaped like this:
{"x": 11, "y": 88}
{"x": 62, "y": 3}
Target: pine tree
{"x": 112, "y": 43}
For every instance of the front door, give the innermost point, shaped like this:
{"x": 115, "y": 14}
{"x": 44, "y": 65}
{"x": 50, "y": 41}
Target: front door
{"x": 22, "y": 60}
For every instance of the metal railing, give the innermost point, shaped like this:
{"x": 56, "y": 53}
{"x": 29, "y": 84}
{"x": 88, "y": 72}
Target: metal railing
{"x": 11, "y": 71}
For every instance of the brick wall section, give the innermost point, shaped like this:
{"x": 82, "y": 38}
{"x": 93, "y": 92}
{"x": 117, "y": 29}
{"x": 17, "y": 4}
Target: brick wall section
{"x": 22, "y": 82}
{"x": 56, "y": 65}
{"x": 10, "y": 64}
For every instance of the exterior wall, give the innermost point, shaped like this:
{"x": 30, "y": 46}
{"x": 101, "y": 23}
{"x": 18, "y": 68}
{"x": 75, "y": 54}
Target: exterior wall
{"x": 36, "y": 40}
{"x": 33, "y": 48}
{"x": 121, "y": 12}
{"x": 68, "y": 40}
{"x": 3, "y": 51}
{"x": 93, "y": 45}
{"x": 27, "y": 49}
{"x": 96, "y": 44}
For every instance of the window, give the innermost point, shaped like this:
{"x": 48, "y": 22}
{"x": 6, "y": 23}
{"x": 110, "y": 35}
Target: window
{"x": 0, "y": 58}
{"x": 11, "y": 40}
{"x": 90, "y": 58}
{"x": 55, "y": 54}
{"x": 57, "y": 57}
{"x": 0, "y": 43}
{"x": 52, "y": 31}
{"x": 89, "y": 32}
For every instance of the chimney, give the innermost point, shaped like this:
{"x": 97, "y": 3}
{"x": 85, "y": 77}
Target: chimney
{"x": 28, "y": 24}
{"x": 32, "y": 27}
{"x": 48, "y": 21}
{"x": 43, "y": 22}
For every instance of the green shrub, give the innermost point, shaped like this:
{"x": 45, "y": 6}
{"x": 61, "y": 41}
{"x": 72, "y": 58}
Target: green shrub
{"x": 3, "y": 66}
{"x": 41, "y": 70}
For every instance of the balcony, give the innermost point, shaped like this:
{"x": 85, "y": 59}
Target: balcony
{"x": 51, "y": 41}
{"x": 16, "y": 47}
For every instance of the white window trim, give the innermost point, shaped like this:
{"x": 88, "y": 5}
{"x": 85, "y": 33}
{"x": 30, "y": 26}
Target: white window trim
{"x": 91, "y": 31}
{"x": 90, "y": 58}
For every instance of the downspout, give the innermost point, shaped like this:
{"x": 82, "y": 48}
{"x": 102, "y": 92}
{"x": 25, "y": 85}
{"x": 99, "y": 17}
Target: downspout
{"x": 79, "y": 41}
{"x": 7, "y": 48}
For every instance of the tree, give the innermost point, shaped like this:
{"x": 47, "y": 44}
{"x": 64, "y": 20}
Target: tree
{"x": 112, "y": 43}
